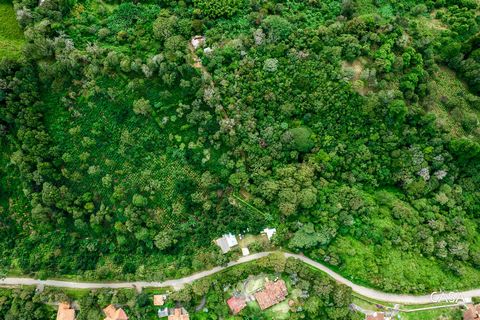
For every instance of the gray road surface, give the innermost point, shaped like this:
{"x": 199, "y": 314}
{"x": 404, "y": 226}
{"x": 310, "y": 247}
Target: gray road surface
{"x": 179, "y": 283}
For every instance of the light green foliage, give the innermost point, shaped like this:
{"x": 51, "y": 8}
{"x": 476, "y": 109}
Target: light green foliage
{"x": 278, "y": 28}
{"x": 299, "y": 139}
{"x": 438, "y": 314}
{"x": 164, "y": 26}
{"x": 306, "y": 238}
{"x": 142, "y": 106}
{"x": 139, "y": 201}
{"x": 11, "y": 36}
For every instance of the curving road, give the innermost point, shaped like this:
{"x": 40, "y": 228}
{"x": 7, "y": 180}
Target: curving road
{"x": 180, "y": 283}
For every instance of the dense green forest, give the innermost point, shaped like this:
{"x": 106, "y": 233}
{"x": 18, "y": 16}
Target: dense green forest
{"x": 351, "y": 126}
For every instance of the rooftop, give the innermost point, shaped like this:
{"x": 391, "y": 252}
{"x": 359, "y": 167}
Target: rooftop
{"x": 163, "y": 312}
{"x": 159, "y": 299}
{"x": 273, "y": 293}
{"x": 472, "y": 312}
{"x": 226, "y": 242}
{"x": 376, "y": 316}
{"x": 65, "y": 312}
{"x": 198, "y": 41}
{"x": 179, "y": 314}
{"x": 269, "y": 232}
{"x": 236, "y": 304}
{"x": 113, "y": 313}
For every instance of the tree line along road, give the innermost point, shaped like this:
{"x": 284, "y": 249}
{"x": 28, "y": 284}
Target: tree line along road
{"x": 180, "y": 283}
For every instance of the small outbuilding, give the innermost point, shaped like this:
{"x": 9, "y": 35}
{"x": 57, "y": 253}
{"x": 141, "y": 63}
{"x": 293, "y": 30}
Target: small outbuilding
{"x": 163, "y": 312}
{"x": 269, "y": 232}
{"x": 198, "y": 41}
{"x": 236, "y": 304}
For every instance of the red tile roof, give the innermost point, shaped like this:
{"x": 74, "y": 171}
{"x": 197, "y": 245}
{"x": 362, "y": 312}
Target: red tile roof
{"x": 113, "y": 313}
{"x": 472, "y": 312}
{"x": 236, "y": 304}
{"x": 179, "y": 314}
{"x": 273, "y": 293}
{"x": 65, "y": 312}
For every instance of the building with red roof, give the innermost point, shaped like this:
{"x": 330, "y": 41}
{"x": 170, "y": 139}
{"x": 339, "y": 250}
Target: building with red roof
{"x": 236, "y": 304}
{"x": 113, "y": 313}
{"x": 472, "y": 312}
{"x": 273, "y": 293}
{"x": 65, "y": 312}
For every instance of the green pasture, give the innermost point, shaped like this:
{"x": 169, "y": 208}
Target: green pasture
{"x": 11, "y": 36}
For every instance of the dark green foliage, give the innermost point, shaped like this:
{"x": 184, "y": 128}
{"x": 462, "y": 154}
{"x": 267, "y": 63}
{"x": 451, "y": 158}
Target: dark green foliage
{"x": 218, "y": 8}
{"x": 125, "y": 151}
{"x": 128, "y": 15}
{"x": 21, "y": 304}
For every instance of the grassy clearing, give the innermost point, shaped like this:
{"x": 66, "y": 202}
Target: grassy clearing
{"x": 255, "y": 284}
{"x": 353, "y": 71}
{"x": 279, "y": 311}
{"x": 436, "y": 314}
{"x": 251, "y": 239}
{"x": 76, "y": 294}
{"x": 153, "y": 291}
{"x": 452, "y": 105}
{"x": 393, "y": 268}
{"x": 368, "y": 7}
{"x": 11, "y": 36}
{"x": 369, "y": 304}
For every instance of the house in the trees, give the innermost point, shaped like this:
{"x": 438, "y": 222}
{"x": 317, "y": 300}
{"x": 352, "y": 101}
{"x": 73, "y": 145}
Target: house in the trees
{"x": 159, "y": 299}
{"x": 112, "y": 313}
{"x": 375, "y": 316}
{"x": 236, "y": 304}
{"x": 178, "y": 314}
{"x": 273, "y": 293}
{"x": 163, "y": 312}
{"x": 472, "y": 312}
{"x": 198, "y": 41}
{"x": 65, "y": 312}
{"x": 227, "y": 242}
{"x": 269, "y": 232}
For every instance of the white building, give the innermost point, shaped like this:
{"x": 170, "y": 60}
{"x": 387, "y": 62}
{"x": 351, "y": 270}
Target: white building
{"x": 226, "y": 242}
{"x": 269, "y": 232}
{"x": 198, "y": 41}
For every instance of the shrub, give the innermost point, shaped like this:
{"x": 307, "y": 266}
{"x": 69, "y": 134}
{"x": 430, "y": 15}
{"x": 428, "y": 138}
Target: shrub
{"x": 278, "y": 28}
{"x": 218, "y": 8}
{"x": 299, "y": 139}
{"x": 139, "y": 200}
{"x": 142, "y": 106}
